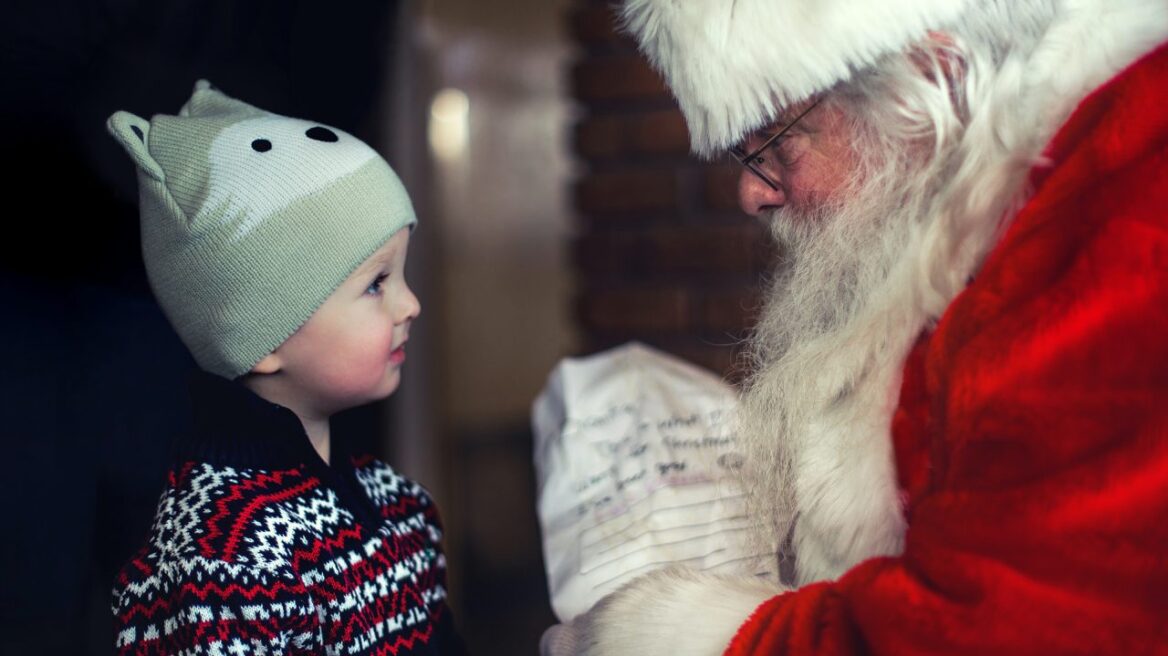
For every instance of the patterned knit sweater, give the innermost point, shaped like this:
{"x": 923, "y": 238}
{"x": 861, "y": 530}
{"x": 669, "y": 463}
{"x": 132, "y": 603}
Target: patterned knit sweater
{"x": 259, "y": 547}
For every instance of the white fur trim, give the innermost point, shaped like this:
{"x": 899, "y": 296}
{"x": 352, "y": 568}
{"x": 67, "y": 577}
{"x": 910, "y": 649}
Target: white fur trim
{"x": 673, "y": 612}
{"x": 732, "y": 63}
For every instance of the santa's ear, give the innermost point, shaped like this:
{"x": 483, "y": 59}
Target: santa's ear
{"x": 270, "y": 364}
{"x": 939, "y": 59}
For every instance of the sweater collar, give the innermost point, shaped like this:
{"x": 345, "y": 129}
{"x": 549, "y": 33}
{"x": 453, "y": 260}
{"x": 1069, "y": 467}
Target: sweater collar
{"x": 234, "y": 426}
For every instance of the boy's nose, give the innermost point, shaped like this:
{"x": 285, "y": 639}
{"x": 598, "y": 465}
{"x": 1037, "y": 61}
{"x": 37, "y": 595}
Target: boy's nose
{"x": 409, "y": 308}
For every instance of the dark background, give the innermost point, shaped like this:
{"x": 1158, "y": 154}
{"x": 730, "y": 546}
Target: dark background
{"x": 92, "y": 390}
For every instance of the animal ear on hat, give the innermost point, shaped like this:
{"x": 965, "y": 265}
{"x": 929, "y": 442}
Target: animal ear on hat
{"x": 133, "y": 132}
{"x": 207, "y": 100}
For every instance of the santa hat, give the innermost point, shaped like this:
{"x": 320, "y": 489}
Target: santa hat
{"x": 733, "y": 63}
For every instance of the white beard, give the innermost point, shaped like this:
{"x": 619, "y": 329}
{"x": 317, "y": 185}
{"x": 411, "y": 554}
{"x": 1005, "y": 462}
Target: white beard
{"x": 828, "y": 353}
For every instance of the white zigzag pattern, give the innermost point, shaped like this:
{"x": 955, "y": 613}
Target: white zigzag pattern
{"x": 188, "y": 507}
{"x": 265, "y": 557}
{"x": 277, "y": 644}
{"x": 337, "y": 566}
{"x": 309, "y": 519}
{"x": 192, "y": 568}
{"x": 176, "y": 527}
{"x": 384, "y": 486}
{"x": 379, "y": 632}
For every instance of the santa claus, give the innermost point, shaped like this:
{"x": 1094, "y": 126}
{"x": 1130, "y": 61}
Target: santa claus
{"x": 958, "y": 415}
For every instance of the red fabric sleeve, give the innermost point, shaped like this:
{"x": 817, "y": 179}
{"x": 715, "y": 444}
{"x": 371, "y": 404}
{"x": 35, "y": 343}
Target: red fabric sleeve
{"x": 1043, "y": 527}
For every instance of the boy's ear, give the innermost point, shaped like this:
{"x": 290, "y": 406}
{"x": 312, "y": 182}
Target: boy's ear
{"x": 270, "y": 364}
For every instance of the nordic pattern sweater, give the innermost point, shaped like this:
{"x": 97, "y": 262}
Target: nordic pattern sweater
{"x": 259, "y": 547}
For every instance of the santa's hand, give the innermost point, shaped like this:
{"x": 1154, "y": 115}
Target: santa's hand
{"x": 560, "y": 640}
{"x": 674, "y": 612}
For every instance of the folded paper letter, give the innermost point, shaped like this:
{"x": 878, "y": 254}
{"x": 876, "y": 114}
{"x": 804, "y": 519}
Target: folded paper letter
{"x": 635, "y": 460}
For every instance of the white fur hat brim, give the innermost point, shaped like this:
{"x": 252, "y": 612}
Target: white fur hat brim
{"x": 733, "y": 63}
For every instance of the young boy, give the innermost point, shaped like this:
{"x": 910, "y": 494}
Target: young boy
{"x": 275, "y": 247}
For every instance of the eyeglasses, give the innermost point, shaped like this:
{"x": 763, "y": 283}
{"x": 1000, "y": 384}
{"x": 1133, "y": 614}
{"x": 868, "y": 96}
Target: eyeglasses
{"x": 754, "y": 160}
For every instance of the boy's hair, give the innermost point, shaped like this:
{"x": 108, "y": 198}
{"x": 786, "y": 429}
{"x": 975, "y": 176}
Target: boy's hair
{"x": 250, "y": 220}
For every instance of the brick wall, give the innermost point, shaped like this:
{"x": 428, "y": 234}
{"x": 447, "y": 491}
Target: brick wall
{"x": 663, "y": 254}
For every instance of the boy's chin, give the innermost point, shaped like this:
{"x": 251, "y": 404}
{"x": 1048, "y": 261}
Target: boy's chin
{"x": 389, "y": 383}
{"x": 374, "y": 392}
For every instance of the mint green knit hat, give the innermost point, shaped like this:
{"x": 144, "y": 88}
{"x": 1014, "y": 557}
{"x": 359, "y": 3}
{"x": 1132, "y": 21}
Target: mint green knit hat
{"x": 250, "y": 220}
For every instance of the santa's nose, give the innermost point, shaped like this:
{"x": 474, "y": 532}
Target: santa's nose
{"x": 756, "y": 196}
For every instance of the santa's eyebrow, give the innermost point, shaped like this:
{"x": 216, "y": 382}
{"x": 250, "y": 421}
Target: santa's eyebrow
{"x": 790, "y": 118}
{"x": 783, "y": 120}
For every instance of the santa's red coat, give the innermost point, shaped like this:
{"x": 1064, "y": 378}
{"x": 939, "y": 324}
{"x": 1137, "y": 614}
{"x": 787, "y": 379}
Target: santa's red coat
{"x": 1032, "y": 433}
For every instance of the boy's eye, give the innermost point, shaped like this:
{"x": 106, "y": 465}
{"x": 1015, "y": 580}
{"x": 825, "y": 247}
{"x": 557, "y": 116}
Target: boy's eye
{"x": 375, "y": 286}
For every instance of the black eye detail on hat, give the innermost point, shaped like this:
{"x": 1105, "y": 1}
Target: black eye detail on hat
{"x": 320, "y": 133}
{"x": 138, "y": 131}
{"x": 261, "y": 145}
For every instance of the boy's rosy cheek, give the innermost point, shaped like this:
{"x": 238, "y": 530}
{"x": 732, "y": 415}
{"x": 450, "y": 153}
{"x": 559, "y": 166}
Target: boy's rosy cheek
{"x": 377, "y": 346}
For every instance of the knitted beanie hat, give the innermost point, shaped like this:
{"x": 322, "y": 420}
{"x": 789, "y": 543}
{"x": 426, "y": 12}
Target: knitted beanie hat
{"x": 250, "y": 220}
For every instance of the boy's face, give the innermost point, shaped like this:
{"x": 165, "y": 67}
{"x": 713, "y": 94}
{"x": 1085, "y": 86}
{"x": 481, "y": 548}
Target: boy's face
{"x": 350, "y": 351}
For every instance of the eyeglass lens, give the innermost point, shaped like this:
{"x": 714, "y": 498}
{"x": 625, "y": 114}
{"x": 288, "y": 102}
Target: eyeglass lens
{"x": 753, "y": 160}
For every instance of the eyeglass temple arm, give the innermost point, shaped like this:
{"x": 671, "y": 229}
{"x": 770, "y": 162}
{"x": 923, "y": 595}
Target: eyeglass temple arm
{"x": 751, "y": 155}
